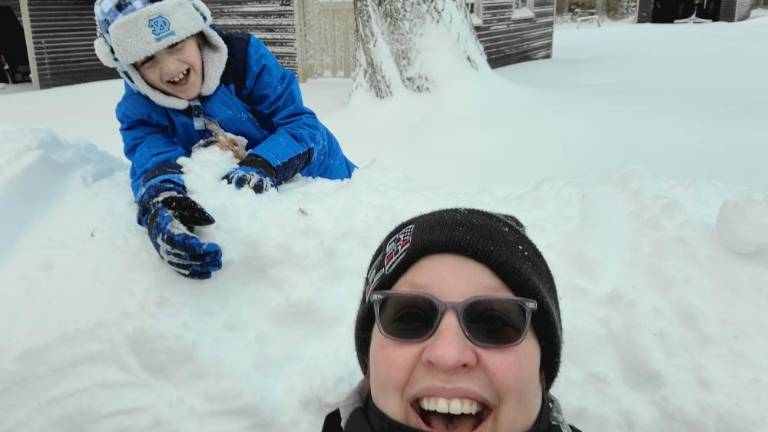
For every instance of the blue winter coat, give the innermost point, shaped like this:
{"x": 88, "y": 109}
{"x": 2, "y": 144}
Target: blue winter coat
{"x": 257, "y": 99}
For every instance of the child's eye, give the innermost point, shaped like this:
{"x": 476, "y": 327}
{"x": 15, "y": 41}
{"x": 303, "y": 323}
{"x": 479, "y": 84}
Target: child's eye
{"x": 146, "y": 60}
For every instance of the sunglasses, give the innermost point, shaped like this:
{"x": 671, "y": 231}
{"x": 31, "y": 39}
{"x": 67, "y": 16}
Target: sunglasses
{"x": 487, "y": 321}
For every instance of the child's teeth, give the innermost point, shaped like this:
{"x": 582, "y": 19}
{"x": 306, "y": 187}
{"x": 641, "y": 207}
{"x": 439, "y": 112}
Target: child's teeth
{"x": 179, "y": 77}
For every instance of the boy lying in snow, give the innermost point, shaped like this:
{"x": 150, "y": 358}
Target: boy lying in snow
{"x": 188, "y": 84}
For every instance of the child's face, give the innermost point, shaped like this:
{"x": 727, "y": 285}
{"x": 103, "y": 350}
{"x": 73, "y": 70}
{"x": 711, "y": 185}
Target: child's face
{"x": 176, "y": 70}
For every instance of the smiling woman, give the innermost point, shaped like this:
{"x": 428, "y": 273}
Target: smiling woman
{"x": 458, "y": 330}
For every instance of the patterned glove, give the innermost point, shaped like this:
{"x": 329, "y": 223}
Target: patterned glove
{"x": 170, "y": 222}
{"x": 253, "y": 172}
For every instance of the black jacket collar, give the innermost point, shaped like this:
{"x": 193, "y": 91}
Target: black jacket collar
{"x": 369, "y": 418}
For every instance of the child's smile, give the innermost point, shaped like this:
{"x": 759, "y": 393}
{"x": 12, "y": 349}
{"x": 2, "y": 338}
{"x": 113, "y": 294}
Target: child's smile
{"x": 176, "y": 70}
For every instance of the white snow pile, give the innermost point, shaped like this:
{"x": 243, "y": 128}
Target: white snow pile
{"x": 742, "y": 226}
{"x": 634, "y": 157}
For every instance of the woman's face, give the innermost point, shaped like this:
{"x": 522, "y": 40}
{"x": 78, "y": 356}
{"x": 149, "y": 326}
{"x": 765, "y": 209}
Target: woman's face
{"x": 505, "y": 382}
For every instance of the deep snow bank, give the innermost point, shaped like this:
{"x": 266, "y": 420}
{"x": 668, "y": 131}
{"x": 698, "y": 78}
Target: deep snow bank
{"x": 663, "y": 312}
{"x": 662, "y": 323}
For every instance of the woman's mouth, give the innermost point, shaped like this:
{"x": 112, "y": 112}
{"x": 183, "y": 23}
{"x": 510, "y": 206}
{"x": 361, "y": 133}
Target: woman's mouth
{"x": 180, "y": 79}
{"x": 450, "y": 415}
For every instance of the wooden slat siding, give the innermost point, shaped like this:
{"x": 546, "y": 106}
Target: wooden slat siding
{"x": 728, "y": 10}
{"x": 272, "y": 21}
{"x": 62, "y": 35}
{"x": 735, "y": 10}
{"x": 742, "y": 10}
{"x": 508, "y": 41}
{"x": 644, "y": 11}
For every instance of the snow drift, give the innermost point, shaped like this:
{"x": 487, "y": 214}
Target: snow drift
{"x": 655, "y": 235}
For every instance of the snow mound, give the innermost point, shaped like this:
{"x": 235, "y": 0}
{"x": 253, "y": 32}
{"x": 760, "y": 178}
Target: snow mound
{"x": 663, "y": 325}
{"x": 36, "y": 168}
{"x": 742, "y": 226}
{"x": 128, "y": 344}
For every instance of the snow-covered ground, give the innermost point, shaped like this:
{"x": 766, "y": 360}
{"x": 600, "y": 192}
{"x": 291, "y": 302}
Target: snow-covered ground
{"x": 636, "y": 156}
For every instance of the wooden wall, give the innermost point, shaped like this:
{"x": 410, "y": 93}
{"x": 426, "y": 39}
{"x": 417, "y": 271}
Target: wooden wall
{"x": 730, "y": 10}
{"x": 272, "y": 21}
{"x": 644, "y": 11}
{"x": 735, "y": 10}
{"x": 507, "y": 41}
{"x": 63, "y": 32}
{"x": 62, "y": 35}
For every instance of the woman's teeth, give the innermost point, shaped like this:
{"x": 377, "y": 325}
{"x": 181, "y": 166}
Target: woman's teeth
{"x": 450, "y": 406}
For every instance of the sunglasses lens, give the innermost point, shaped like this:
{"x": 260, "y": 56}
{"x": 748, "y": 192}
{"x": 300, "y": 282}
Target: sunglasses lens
{"x": 407, "y": 317}
{"x": 495, "y": 322}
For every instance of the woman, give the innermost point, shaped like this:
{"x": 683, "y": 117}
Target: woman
{"x": 467, "y": 331}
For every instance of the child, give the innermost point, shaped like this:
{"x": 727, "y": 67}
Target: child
{"x": 188, "y": 84}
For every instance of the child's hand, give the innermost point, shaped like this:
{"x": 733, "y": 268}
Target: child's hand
{"x": 229, "y": 143}
{"x": 253, "y": 172}
{"x": 170, "y": 227}
{"x": 225, "y": 142}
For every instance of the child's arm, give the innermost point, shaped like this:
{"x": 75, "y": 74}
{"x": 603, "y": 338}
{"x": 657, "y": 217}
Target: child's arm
{"x": 164, "y": 208}
{"x": 299, "y": 142}
{"x": 148, "y": 144}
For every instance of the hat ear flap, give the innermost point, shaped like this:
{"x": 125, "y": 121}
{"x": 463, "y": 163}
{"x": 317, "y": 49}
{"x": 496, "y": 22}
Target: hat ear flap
{"x": 203, "y": 10}
{"x": 104, "y": 52}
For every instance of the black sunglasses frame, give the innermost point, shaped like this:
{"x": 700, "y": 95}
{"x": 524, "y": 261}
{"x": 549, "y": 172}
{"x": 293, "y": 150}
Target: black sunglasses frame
{"x": 528, "y": 305}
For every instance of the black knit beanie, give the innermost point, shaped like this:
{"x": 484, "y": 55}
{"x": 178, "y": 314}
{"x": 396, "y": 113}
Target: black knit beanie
{"x": 496, "y": 240}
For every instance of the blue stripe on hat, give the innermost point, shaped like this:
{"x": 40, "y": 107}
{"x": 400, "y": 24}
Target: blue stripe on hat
{"x": 109, "y": 11}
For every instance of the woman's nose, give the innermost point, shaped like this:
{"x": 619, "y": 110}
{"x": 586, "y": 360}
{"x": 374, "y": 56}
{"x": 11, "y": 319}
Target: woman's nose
{"x": 448, "y": 349}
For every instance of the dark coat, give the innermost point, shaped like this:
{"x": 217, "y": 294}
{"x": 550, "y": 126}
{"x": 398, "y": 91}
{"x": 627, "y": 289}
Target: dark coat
{"x": 362, "y": 415}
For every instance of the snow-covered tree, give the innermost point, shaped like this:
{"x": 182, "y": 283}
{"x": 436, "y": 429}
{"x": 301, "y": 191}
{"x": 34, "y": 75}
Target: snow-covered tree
{"x": 391, "y": 37}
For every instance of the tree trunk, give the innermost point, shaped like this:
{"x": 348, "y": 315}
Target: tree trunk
{"x": 390, "y": 38}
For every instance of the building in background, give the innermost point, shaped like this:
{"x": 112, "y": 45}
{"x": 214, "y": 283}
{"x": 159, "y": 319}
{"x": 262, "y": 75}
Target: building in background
{"x": 668, "y": 11}
{"x": 314, "y": 38}
{"x": 14, "y": 63}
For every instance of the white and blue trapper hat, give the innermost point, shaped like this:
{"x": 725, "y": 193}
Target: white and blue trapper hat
{"x": 132, "y": 30}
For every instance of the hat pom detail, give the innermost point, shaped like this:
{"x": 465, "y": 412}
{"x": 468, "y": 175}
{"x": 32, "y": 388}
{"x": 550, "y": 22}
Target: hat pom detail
{"x": 104, "y": 52}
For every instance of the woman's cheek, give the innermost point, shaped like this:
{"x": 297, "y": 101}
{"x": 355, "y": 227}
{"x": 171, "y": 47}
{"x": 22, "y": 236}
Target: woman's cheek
{"x": 390, "y": 367}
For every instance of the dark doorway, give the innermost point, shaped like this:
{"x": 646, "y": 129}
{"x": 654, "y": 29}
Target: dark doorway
{"x": 667, "y": 11}
{"x": 709, "y": 9}
{"x": 14, "y": 64}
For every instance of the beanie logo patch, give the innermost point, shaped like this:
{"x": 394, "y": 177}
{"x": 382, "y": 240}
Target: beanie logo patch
{"x": 374, "y": 274}
{"x": 396, "y": 247}
{"x": 161, "y": 28}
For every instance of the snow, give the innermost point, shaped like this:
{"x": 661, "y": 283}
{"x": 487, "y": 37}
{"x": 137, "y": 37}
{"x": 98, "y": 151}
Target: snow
{"x": 6, "y": 89}
{"x": 742, "y": 226}
{"x": 636, "y": 156}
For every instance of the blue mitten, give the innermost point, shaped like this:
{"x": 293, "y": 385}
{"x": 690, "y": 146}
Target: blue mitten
{"x": 170, "y": 219}
{"x": 253, "y": 172}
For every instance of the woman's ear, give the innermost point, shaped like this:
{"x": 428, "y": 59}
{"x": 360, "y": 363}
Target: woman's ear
{"x": 542, "y": 380}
